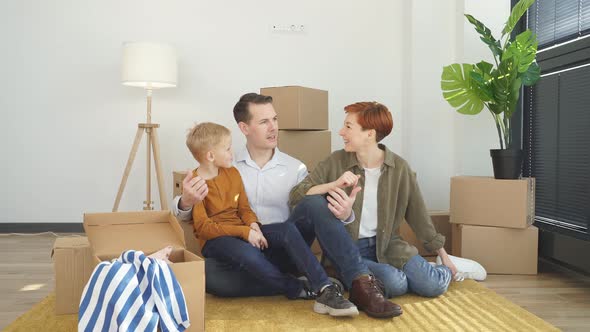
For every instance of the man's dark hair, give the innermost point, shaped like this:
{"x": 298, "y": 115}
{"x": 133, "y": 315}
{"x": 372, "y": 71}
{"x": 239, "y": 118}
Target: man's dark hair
{"x": 242, "y": 111}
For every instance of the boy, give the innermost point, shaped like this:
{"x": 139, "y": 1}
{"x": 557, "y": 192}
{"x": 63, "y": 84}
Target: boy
{"x": 228, "y": 229}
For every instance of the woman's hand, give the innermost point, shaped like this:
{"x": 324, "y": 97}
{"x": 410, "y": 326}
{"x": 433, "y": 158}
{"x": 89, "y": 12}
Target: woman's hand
{"x": 348, "y": 179}
{"x": 444, "y": 257}
{"x": 340, "y": 204}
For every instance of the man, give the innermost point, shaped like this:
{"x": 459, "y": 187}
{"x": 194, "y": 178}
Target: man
{"x": 269, "y": 175}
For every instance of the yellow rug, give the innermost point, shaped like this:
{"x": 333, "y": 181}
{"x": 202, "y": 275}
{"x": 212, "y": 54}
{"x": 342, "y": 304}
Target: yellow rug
{"x": 467, "y": 306}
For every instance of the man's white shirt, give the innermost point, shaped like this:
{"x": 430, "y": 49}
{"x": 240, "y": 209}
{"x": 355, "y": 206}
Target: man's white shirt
{"x": 268, "y": 187}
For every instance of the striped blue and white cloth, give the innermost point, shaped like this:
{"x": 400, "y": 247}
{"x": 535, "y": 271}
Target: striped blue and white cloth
{"x": 133, "y": 293}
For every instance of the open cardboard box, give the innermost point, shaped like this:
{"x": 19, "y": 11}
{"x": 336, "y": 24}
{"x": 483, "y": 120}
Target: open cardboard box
{"x": 110, "y": 234}
{"x": 73, "y": 264}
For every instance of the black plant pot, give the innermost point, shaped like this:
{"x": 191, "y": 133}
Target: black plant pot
{"x": 507, "y": 163}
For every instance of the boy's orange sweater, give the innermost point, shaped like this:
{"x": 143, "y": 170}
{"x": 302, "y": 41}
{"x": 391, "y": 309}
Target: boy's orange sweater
{"x": 225, "y": 211}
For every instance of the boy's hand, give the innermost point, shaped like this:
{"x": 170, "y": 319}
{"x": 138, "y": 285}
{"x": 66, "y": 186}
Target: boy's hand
{"x": 257, "y": 239}
{"x": 194, "y": 190}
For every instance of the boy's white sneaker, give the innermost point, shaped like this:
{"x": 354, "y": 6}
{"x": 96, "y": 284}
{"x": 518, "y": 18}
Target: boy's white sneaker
{"x": 466, "y": 268}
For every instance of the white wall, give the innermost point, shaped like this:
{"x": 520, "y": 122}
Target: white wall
{"x": 428, "y": 120}
{"x": 476, "y": 135}
{"x": 68, "y": 123}
{"x": 437, "y": 141}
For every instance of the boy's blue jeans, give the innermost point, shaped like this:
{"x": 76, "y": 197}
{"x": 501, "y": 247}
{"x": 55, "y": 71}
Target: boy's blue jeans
{"x": 285, "y": 244}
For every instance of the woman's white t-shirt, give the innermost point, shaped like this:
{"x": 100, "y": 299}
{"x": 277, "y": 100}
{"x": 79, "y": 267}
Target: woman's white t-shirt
{"x": 368, "y": 227}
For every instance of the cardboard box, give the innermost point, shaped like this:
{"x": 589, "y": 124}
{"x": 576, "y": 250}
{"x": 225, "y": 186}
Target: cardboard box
{"x": 110, "y": 234}
{"x": 499, "y": 250}
{"x": 440, "y": 219}
{"x": 310, "y": 147}
{"x": 485, "y": 201}
{"x": 299, "y": 108}
{"x": 73, "y": 264}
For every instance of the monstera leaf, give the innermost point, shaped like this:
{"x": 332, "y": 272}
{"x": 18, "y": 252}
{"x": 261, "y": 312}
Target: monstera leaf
{"x": 523, "y": 50}
{"x": 458, "y": 90}
{"x": 532, "y": 75}
{"x": 470, "y": 87}
{"x": 486, "y": 35}
{"x": 481, "y": 81}
{"x": 506, "y": 86}
{"x": 517, "y": 11}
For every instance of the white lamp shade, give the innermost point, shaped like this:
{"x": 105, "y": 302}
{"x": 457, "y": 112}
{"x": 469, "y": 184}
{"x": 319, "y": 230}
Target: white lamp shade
{"x": 149, "y": 65}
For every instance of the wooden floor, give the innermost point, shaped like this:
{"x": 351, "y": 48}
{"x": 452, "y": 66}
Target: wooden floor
{"x": 560, "y": 297}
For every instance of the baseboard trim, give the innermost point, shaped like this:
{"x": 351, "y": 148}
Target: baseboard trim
{"x": 41, "y": 227}
{"x": 552, "y": 265}
{"x": 564, "y": 250}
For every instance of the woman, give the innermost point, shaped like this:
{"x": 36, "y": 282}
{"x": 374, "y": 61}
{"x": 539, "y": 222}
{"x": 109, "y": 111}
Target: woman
{"x": 389, "y": 196}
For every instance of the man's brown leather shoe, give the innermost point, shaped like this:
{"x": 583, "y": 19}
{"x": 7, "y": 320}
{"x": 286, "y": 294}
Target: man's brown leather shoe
{"x": 367, "y": 295}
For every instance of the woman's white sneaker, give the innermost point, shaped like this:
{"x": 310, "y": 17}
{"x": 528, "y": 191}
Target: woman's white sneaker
{"x": 466, "y": 268}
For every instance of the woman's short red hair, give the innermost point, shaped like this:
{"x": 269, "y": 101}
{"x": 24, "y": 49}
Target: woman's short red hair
{"x": 372, "y": 115}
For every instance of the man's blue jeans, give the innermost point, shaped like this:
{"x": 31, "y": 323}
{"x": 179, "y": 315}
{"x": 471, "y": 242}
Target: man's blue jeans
{"x": 417, "y": 276}
{"x": 313, "y": 219}
{"x": 241, "y": 255}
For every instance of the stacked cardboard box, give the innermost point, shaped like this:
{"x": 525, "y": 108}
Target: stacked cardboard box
{"x": 303, "y": 122}
{"x": 491, "y": 223}
{"x": 303, "y": 125}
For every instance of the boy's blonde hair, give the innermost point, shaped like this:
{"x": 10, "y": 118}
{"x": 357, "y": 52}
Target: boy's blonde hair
{"x": 203, "y": 137}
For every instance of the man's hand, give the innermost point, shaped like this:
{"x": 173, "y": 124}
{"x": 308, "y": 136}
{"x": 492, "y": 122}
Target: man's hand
{"x": 257, "y": 239}
{"x": 194, "y": 190}
{"x": 348, "y": 179}
{"x": 340, "y": 203}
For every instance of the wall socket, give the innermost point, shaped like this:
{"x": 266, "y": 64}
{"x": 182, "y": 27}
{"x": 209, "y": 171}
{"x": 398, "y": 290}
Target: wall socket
{"x": 287, "y": 28}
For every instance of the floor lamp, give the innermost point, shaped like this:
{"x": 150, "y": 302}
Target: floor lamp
{"x": 150, "y": 66}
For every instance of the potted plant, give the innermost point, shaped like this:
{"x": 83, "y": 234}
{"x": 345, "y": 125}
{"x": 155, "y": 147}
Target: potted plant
{"x": 471, "y": 87}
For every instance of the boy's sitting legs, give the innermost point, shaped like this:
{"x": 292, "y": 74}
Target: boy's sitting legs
{"x": 227, "y": 279}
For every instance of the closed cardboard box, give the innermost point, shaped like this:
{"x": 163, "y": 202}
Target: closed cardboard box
{"x": 310, "y": 147}
{"x": 299, "y": 108}
{"x": 498, "y": 250}
{"x": 485, "y": 201}
{"x": 440, "y": 220}
{"x": 73, "y": 264}
{"x": 110, "y": 234}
